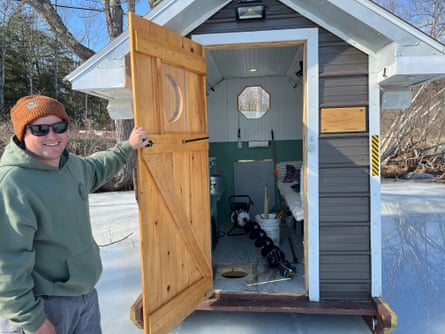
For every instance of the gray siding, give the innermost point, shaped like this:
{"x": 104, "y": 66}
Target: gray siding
{"x": 278, "y": 16}
{"x": 343, "y": 75}
{"x": 344, "y": 179}
{"x": 344, "y": 158}
{"x": 344, "y": 216}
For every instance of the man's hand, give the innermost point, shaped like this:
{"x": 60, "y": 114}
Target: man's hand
{"x": 138, "y": 138}
{"x": 46, "y": 328}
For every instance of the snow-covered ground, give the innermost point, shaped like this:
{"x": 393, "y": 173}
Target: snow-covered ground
{"x": 413, "y": 269}
{"x": 413, "y": 219}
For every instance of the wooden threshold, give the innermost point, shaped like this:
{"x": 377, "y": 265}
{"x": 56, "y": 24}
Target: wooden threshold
{"x": 254, "y": 302}
{"x": 377, "y": 314}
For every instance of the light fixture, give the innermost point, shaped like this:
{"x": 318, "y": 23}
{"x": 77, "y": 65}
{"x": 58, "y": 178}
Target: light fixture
{"x": 248, "y": 10}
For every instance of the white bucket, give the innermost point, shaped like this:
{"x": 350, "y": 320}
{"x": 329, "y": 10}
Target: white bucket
{"x": 271, "y": 226}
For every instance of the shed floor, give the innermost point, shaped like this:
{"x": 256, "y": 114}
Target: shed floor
{"x": 239, "y": 253}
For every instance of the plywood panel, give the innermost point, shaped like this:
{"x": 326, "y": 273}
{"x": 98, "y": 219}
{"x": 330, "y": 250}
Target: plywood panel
{"x": 343, "y": 120}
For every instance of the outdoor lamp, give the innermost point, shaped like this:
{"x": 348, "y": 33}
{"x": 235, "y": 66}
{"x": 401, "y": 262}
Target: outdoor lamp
{"x": 247, "y": 10}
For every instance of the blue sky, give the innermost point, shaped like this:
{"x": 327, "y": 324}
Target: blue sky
{"x": 88, "y": 26}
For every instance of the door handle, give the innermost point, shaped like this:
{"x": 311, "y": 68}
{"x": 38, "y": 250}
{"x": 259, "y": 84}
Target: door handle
{"x": 185, "y": 141}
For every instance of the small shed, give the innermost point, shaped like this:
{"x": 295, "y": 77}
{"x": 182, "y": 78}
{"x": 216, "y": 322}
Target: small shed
{"x": 329, "y": 68}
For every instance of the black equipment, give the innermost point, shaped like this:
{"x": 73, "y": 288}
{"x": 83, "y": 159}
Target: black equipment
{"x": 239, "y": 213}
{"x": 273, "y": 254}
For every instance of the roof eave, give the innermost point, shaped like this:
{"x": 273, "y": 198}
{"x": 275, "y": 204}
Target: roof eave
{"x": 363, "y": 24}
{"x": 119, "y": 46}
{"x": 407, "y": 72}
{"x": 192, "y": 13}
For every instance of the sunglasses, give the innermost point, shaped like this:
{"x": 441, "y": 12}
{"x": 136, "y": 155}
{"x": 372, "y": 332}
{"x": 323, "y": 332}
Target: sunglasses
{"x": 40, "y": 130}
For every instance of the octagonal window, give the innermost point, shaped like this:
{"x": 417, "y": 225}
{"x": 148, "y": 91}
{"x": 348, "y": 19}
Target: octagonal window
{"x": 253, "y": 101}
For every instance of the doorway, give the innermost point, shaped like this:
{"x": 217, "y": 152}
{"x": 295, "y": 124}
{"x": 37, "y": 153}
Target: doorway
{"x": 307, "y": 39}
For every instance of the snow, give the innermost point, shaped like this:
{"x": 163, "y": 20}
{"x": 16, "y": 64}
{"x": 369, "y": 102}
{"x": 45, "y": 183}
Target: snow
{"x": 115, "y": 217}
{"x": 413, "y": 217}
{"x": 413, "y": 272}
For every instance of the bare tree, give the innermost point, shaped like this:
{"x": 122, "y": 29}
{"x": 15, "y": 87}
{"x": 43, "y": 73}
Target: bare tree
{"x": 427, "y": 15}
{"x": 8, "y": 11}
{"x": 114, "y": 15}
{"x": 54, "y": 21}
{"x": 413, "y": 140}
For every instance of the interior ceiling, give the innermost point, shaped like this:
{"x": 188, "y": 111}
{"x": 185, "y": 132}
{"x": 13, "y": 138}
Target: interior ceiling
{"x": 236, "y": 63}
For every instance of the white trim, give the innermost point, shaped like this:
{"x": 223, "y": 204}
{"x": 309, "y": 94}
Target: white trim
{"x": 375, "y": 215}
{"x": 434, "y": 65}
{"x": 258, "y": 36}
{"x": 310, "y": 37}
{"x": 312, "y": 166}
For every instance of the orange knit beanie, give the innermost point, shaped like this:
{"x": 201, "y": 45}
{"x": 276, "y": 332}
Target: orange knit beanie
{"x": 29, "y": 108}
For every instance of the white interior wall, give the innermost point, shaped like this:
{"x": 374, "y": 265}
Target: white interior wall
{"x": 284, "y": 116}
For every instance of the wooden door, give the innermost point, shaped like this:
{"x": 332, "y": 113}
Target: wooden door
{"x": 168, "y": 83}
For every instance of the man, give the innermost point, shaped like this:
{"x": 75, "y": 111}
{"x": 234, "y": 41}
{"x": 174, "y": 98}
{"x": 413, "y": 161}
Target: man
{"x": 49, "y": 261}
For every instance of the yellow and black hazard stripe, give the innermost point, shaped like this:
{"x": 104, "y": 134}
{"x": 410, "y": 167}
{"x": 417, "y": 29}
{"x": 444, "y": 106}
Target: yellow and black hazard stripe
{"x": 375, "y": 155}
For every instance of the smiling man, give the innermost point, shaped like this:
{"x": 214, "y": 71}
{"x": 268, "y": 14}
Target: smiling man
{"x": 49, "y": 261}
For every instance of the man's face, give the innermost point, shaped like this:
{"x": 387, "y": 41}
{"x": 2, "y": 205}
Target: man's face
{"x": 47, "y": 148}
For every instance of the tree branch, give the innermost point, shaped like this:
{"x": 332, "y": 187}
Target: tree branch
{"x": 49, "y": 14}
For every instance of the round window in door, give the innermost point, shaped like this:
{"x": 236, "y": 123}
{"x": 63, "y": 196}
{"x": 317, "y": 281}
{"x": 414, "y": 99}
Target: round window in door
{"x": 253, "y": 101}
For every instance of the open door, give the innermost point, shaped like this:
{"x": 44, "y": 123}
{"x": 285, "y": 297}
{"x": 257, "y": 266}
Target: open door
{"x": 168, "y": 83}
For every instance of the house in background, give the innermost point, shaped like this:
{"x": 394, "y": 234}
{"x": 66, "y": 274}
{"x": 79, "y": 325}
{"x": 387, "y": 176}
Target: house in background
{"x": 324, "y": 70}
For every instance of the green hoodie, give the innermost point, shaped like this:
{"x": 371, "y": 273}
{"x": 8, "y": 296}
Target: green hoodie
{"x": 46, "y": 242}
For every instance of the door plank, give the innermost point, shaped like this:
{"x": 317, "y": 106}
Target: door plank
{"x": 160, "y": 48}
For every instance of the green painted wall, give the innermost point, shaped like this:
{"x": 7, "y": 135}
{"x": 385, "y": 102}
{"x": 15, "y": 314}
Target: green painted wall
{"x": 228, "y": 152}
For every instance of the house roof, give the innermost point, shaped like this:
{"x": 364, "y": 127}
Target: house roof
{"x": 406, "y": 56}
